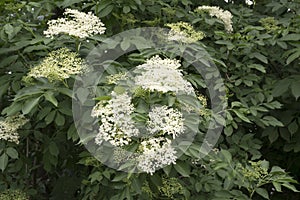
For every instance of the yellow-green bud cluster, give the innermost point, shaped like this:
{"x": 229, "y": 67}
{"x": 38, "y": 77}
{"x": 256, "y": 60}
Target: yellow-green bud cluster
{"x": 57, "y": 66}
{"x": 184, "y": 32}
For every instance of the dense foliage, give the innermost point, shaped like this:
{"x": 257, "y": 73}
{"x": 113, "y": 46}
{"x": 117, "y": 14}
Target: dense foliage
{"x": 256, "y": 157}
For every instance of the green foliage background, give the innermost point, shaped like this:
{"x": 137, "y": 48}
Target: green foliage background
{"x": 259, "y": 63}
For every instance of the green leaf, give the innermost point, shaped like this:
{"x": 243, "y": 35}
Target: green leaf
{"x": 295, "y": 87}
{"x": 241, "y": 116}
{"x": 29, "y": 105}
{"x": 125, "y": 44}
{"x": 182, "y": 168}
{"x": 59, "y": 119}
{"x": 72, "y": 133}
{"x": 258, "y": 67}
{"x": 291, "y": 187}
{"x": 53, "y": 149}
{"x": 291, "y": 37}
{"x": 293, "y": 127}
{"x": 50, "y": 117}
{"x": 106, "y": 11}
{"x": 262, "y": 192}
{"x": 82, "y": 94}
{"x": 276, "y": 169}
{"x": 281, "y": 87}
{"x": 272, "y": 121}
{"x": 49, "y": 96}
{"x": 3, "y": 161}
{"x": 227, "y": 155}
{"x": 260, "y": 57}
{"x": 35, "y": 48}
{"x": 11, "y": 152}
{"x": 119, "y": 177}
{"x": 277, "y": 186}
{"x": 293, "y": 57}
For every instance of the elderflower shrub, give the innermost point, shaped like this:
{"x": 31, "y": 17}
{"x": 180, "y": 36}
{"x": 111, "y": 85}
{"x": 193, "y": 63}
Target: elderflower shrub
{"x": 57, "y": 66}
{"x": 9, "y": 127}
{"x": 184, "y": 32}
{"x": 214, "y": 11}
{"x": 134, "y": 113}
{"x": 162, "y": 75}
{"x": 76, "y": 24}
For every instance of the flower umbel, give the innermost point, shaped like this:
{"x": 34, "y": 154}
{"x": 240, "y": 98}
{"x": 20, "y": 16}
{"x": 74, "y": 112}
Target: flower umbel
{"x": 9, "y": 127}
{"x": 156, "y": 153}
{"x": 162, "y": 75}
{"x": 80, "y": 25}
{"x": 164, "y": 120}
{"x": 219, "y": 13}
{"x": 57, "y": 66}
{"x": 184, "y": 32}
{"x": 116, "y": 127}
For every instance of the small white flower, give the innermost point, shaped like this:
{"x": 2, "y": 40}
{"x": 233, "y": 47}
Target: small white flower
{"x": 80, "y": 25}
{"x": 166, "y": 120}
{"x": 225, "y": 16}
{"x": 156, "y": 153}
{"x": 162, "y": 75}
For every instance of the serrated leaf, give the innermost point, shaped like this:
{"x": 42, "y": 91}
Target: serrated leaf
{"x": 29, "y": 105}
{"x": 182, "y": 168}
{"x": 291, "y": 187}
{"x": 262, "y": 192}
{"x": 293, "y": 57}
{"x": 281, "y": 87}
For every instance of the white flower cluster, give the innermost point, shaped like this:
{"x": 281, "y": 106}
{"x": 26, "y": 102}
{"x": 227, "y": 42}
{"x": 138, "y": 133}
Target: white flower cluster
{"x": 156, "y": 153}
{"x": 184, "y": 32}
{"x": 9, "y": 127}
{"x": 164, "y": 120}
{"x": 80, "y": 25}
{"x": 225, "y": 16}
{"x": 58, "y": 65}
{"x": 116, "y": 127}
{"x": 162, "y": 75}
